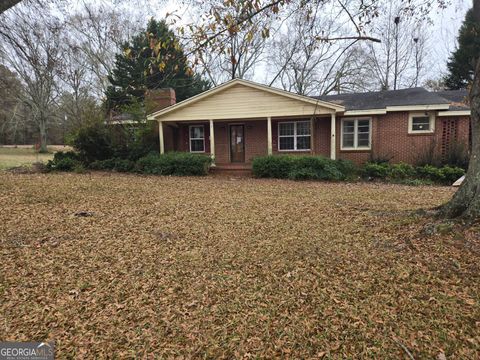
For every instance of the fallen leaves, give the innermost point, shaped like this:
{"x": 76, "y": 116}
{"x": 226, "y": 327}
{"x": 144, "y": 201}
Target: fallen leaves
{"x": 206, "y": 267}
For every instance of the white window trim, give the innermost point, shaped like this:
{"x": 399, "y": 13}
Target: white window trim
{"x": 411, "y": 115}
{"x": 355, "y": 134}
{"x": 294, "y": 136}
{"x": 190, "y": 138}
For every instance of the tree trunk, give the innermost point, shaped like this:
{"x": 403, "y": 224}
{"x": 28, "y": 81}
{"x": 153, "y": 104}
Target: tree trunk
{"x": 43, "y": 135}
{"x": 466, "y": 201}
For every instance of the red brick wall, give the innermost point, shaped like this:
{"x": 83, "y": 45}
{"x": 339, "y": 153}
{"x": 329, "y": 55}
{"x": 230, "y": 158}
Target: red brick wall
{"x": 390, "y": 139}
{"x": 255, "y": 139}
{"x": 160, "y": 98}
{"x": 463, "y": 131}
{"x": 222, "y": 151}
{"x": 168, "y": 141}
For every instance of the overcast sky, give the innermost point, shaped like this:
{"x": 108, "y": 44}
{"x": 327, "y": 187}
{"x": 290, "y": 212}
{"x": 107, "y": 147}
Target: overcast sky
{"x": 444, "y": 31}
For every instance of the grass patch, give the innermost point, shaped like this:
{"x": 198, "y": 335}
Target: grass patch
{"x": 23, "y": 156}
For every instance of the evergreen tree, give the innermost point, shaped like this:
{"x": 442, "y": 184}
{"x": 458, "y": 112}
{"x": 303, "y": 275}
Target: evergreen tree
{"x": 461, "y": 64}
{"x": 154, "y": 59}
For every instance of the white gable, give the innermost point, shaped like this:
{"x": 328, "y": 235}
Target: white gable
{"x": 244, "y": 100}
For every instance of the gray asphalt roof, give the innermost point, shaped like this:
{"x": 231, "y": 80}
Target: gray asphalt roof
{"x": 403, "y": 97}
{"x": 457, "y": 98}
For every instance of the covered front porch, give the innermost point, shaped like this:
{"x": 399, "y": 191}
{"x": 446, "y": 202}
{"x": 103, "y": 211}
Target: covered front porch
{"x": 234, "y": 144}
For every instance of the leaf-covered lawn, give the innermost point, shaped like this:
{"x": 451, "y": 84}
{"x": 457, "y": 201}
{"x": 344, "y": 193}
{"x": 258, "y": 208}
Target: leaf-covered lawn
{"x": 222, "y": 268}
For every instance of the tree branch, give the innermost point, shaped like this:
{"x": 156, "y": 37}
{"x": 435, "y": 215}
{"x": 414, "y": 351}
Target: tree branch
{"x": 369, "y": 38}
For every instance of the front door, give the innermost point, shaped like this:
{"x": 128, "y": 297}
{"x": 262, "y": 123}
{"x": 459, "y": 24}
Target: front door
{"x": 237, "y": 143}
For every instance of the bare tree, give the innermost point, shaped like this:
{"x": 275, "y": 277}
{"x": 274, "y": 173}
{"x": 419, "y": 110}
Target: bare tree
{"x": 236, "y": 55}
{"x": 303, "y": 64}
{"x": 240, "y": 57}
{"x": 10, "y": 105}
{"x": 96, "y": 33}
{"x": 76, "y": 85}
{"x": 31, "y": 46}
{"x": 399, "y": 59}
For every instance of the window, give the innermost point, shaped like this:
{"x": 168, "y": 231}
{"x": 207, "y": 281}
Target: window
{"x": 197, "y": 138}
{"x": 294, "y": 136}
{"x": 356, "y": 134}
{"x": 421, "y": 123}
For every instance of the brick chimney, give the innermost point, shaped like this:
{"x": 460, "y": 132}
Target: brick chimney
{"x": 159, "y": 99}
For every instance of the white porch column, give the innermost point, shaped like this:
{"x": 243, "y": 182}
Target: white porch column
{"x": 333, "y": 142}
{"x": 312, "y": 135}
{"x": 269, "y": 136}
{"x": 212, "y": 142}
{"x": 160, "y": 137}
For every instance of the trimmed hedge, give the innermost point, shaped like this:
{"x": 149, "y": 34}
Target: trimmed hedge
{"x": 320, "y": 168}
{"x": 279, "y": 167}
{"x": 174, "y": 163}
{"x": 401, "y": 172}
{"x": 302, "y": 168}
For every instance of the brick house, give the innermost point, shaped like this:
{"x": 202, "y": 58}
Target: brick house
{"x": 240, "y": 120}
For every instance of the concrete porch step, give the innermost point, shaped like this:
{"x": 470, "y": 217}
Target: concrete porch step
{"x": 232, "y": 169}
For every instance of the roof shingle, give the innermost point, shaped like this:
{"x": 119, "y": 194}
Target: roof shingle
{"x": 403, "y": 97}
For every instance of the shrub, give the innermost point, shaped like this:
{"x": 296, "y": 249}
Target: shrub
{"x": 63, "y": 161}
{"x": 66, "y": 164}
{"x": 303, "y": 174}
{"x": 457, "y": 155}
{"x": 416, "y": 182}
{"x": 79, "y": 169}
{"x": 452, "y": 174}
{"x": 380, "y": 158}
{"x": 302, "y": 168}
{"x": 92, "y": 142}
{"x": 430, "y": 172}
{"x": 376, "y": 171}
{"x": 60, "y": 155}
{"x": 427, "y": 155}
{"x": 444, "y": 175}
{"x": 407, "y": 174}
{"x": 321, "y": 168}
{"x": 124, "y": 165}
{"x": 401, "y": 171}
{"x": 174, "y": 163}
{"x": 347, "y": 168}
{"x": 145, "y": 142}
{"x": 120, "y": 165}
{"x": 277, "y": 167}
{"x": 108, "y": 164}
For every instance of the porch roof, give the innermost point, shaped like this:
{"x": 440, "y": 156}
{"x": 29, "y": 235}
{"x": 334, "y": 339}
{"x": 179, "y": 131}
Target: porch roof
{"x": 242, "y": 99}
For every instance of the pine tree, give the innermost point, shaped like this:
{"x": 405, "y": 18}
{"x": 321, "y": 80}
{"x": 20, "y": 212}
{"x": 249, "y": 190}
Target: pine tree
{"x": 461, "y": 64}
{"x": 154, "y": 59}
